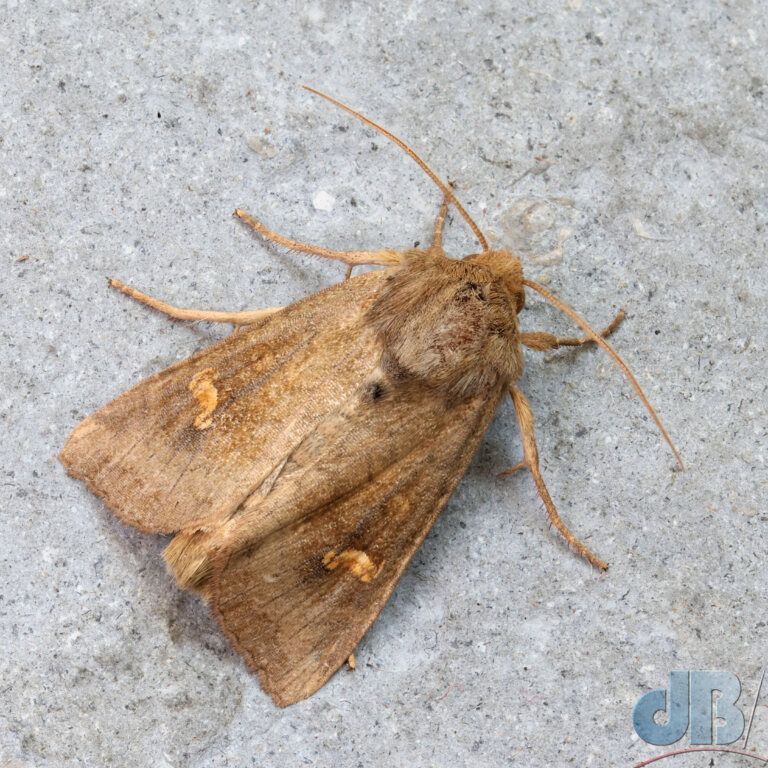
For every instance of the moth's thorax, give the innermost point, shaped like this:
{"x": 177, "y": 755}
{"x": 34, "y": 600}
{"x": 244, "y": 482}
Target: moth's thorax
{"x": 506, "y": 267}
{"x": 450, "y": 324}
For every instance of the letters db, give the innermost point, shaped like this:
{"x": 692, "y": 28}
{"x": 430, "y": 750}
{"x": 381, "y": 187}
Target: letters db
{"x": 689, "y": 702}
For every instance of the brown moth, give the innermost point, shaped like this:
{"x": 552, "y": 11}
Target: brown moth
{"x": 300, "y": 462}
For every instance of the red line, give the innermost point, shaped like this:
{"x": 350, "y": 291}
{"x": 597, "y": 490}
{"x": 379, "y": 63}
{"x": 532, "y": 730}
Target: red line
{"x": 687, "y": 751}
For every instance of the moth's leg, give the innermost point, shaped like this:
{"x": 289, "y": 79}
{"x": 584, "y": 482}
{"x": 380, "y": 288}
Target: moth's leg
{"x": 178, "y": 313}
{"x": 437, "y": 232}
{"x": 525, "y": 423}
{"x": 511, "y": 470}
{"x": 542, "y": 341}
{"x": 386, "y": 258}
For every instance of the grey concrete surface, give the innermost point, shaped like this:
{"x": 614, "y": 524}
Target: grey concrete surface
{"x": 619, "y": 148}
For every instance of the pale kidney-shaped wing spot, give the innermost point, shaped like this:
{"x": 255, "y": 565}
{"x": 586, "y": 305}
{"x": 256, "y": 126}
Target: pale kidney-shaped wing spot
{"x": 203, "y": 390}
{"x": 355, "y": 561}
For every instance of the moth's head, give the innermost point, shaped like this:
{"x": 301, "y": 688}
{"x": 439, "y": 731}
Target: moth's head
{"x": 508, "y": 268}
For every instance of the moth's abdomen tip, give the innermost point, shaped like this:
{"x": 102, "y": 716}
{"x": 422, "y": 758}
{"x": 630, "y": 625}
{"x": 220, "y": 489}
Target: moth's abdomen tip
{"x": 188, "y": 557}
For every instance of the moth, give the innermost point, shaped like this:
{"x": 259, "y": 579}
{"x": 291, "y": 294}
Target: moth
{"x": 300, "y": 462}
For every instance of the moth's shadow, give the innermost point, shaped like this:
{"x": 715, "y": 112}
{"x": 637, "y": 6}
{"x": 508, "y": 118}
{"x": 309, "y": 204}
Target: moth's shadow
{"x": 479, "y": 487}
{"x": 185, "y": 616}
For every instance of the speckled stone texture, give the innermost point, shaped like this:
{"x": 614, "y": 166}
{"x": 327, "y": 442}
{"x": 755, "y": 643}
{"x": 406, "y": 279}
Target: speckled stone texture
{"x": 619, "y": 148}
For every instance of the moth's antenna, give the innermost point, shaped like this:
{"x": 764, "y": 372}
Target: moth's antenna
{"x": 598, "y": 339}
{"x": 424, "y": 167}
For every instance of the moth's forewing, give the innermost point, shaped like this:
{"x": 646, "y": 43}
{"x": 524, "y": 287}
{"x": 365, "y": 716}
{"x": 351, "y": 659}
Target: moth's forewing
{"x": 195, "y": 439}
{"x": 296, "y": 604}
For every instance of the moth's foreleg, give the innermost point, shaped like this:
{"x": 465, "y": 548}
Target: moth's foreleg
{"x": 437, "y": 231}
{"x": 541, "y": 341}
{"x": 178, "y": 313}
{"x": 385, "y": 258}
{"x": 527, "y": 434}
